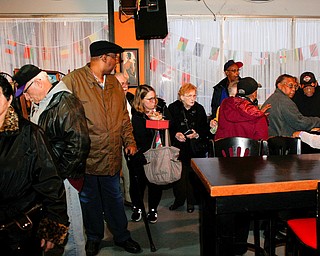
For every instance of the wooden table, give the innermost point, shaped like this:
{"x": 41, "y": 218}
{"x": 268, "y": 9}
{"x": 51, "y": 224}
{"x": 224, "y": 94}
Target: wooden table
{"x": 252, "y": 184}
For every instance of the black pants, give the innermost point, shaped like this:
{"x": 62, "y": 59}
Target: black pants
{"x": 138, "y": 184}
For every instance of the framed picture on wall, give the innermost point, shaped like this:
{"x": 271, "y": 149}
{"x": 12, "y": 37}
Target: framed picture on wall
{"x": 130, "y": 66}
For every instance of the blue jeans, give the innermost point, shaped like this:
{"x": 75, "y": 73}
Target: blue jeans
{"x": 101, "y": 198}
{"x": 76, "y": 241}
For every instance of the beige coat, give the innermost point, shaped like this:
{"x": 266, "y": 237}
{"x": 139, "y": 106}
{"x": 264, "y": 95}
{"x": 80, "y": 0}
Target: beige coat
{"x": 107, "y": 118}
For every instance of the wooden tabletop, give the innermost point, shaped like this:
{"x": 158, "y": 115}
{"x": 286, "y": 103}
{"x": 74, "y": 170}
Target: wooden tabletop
{"x": 258, "y": 175}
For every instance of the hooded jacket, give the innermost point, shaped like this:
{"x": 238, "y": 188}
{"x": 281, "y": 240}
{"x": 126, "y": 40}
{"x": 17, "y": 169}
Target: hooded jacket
{"x": 238, "y": 117}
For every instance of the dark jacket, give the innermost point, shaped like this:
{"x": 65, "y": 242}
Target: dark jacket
{"x": 197, "y": 120}
{"x": 238, "y": 117}
{"x": 64, "y": 123}
{"x": 308, "y": 106}
{"x": 28, "y": 175}
{"x": 216, "y": 96}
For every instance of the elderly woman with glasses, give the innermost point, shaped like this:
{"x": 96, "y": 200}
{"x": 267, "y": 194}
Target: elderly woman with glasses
{"x": 33, "y": 214}
{"x": 146, "y": 106}
{"x": 189, "y": 125}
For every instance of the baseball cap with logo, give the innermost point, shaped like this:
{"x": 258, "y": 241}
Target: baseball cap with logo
{"x": 307, "y": 79}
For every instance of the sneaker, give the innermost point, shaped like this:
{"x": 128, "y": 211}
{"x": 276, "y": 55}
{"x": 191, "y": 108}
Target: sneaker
{"x": 152, "y": 216}
{"x": 136, "y": 215}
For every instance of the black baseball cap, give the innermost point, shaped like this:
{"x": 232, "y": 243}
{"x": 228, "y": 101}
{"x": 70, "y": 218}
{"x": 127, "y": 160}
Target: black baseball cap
{"x": 247, "y": 86}
{"x": 24, "y": 74}
{"x": 307, "y": 78}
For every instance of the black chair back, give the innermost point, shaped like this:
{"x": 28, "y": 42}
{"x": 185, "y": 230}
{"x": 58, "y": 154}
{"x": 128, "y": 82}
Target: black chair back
{"x": 236, "y": 147}
{"x": 281, "y": 145}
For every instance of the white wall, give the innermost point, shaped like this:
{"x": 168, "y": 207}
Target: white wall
{"x": 310, "y": 8}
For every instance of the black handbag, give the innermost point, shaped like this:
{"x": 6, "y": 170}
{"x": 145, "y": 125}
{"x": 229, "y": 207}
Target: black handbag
{"x": 198, "y": 147}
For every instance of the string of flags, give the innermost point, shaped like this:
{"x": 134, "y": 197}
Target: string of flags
{"x": 12, "y": 47}
{"x": 196, "y": 49}
{"x": 250, "y": 58}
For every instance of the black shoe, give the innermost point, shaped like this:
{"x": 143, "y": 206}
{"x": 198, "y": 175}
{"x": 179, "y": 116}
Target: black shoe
{"x": 92, "y": 248}
{"x": 129, "y": 245}
{"x": 175, "y": 206}
{"x": 152, "y": 216}
{"x": 190, "y": 208}
{"x": 136, "y": 214}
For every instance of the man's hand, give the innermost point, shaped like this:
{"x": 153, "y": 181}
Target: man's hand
{"x": 130, "y": 150}
{"x": 265, "y": 108}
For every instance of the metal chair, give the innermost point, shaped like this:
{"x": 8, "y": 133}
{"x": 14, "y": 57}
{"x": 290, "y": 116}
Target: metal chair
{"x": 241, "y": 147}
{"x": 281, "y": 145}
{"x": 304, "y": 234}
{"x": 236, "y": 147}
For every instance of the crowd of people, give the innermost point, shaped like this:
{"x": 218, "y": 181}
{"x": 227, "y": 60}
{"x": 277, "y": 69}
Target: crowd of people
{"x": 87, "y": 131}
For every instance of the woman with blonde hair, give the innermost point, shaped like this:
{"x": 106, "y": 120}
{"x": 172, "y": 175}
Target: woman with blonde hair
{"x": 189, "y": 125}
{"x": 146, "y": 106}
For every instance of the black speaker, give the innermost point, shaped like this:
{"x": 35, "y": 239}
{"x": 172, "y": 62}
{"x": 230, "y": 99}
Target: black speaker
{"x": 151, "y": 20}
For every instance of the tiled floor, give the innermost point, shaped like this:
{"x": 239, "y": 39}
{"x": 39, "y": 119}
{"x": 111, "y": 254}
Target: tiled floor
{"x": 175, "y": 233}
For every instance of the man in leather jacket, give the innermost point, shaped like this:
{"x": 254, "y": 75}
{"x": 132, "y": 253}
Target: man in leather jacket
{"x": 61, "y": 115}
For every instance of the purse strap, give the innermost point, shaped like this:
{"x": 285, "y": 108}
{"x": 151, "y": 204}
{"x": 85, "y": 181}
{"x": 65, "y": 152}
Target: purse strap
{"x": 185, "y": 119}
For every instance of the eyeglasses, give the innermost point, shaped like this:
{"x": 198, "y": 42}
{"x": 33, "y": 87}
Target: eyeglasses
{"x": 25, "y": 90}
{"x": 151, "y": 99}
{"x": 292, "y": 86}
{"x": 234, "y": 70}
{"x": 112, "y": 55}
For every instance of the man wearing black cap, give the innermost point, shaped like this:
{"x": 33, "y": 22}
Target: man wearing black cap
{"x": 109, "y": 129}
{"x": 61, "y": 115}
{"x": 240, "y": 115}
{"x": 220, "y": 91}
{"x": 307, "y": 97}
